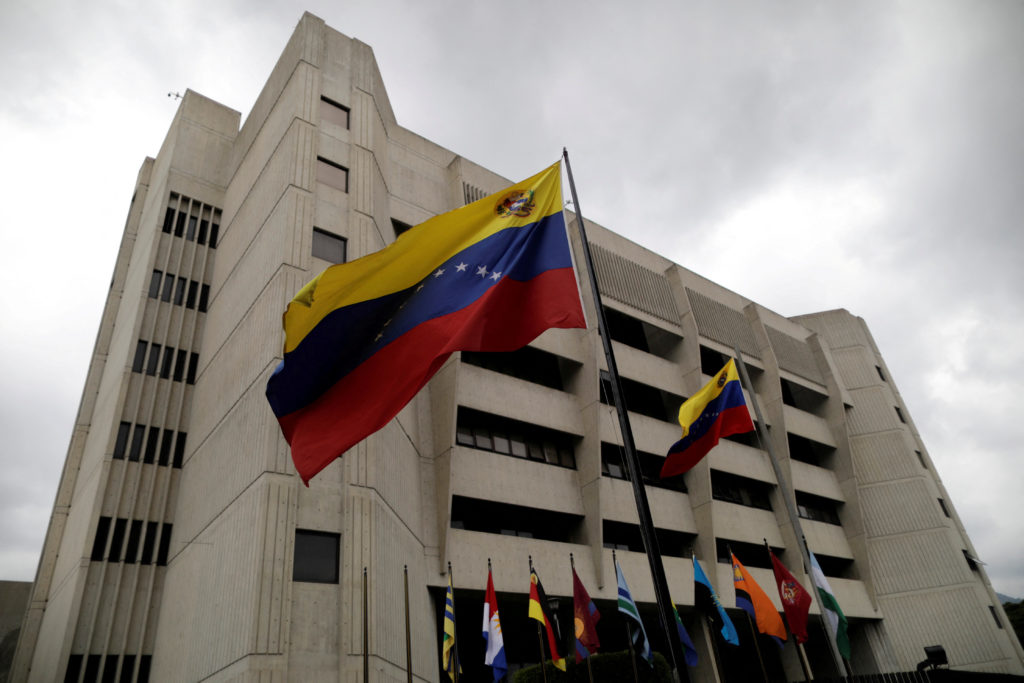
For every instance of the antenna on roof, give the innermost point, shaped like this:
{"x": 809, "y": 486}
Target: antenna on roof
{"x": 174, "y": 95}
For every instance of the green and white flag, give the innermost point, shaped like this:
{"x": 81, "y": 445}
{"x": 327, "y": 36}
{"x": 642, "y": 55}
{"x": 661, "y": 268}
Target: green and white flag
{"x": 833, "y": 613}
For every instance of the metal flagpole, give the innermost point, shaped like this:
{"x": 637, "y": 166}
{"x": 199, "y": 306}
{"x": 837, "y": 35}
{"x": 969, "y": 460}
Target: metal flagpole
{"x": 408, "y": 633}
{"x": 366, "y": 634}
{"x": 540, "y": 637}
{"x": 787, "y": 494}
{"x": 455, "y": 645}
{"x": 643, "y": 508}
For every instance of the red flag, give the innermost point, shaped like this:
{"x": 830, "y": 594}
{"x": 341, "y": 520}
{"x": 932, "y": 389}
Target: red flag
{"x": 586, "y": 616}
{"x": 796, "y": 601}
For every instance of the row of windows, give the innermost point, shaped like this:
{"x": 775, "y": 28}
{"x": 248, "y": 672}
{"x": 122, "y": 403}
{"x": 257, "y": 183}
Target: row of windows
{"x": 194, "y": 228}
{"x": 126, "y": 536}
{"x": 158, "y": 447}
{"x": 92, "y": 668}
{"x": 187, "y": 292}
{"x": 488, "y": 432}
{"x": 176, "y": 364}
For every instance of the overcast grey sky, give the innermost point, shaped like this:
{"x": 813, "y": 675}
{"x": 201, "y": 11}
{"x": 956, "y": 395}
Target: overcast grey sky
{"x": 806, "y": 154}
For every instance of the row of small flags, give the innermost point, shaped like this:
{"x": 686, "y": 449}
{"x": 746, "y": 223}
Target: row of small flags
{"x": 796, "y": 602}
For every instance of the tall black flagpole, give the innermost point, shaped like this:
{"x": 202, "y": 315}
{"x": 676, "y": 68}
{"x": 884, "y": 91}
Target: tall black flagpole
{"x": 643, "y": 508}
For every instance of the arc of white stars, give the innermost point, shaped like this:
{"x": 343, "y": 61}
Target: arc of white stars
{"x": 482, "y": 271}
{"x": 461, "y": 267}
{"x": 496, "y": 275}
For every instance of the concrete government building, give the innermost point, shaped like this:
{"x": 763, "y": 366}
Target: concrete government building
{"x": 183, "y": 546}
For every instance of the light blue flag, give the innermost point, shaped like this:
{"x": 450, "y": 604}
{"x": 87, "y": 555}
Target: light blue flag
{"x": 706, "y": 600}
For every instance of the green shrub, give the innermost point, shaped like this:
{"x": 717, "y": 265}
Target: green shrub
{"x": 611, "y": 667}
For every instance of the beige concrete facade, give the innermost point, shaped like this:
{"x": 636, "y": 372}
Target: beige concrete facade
{"x": 178, "y": 565}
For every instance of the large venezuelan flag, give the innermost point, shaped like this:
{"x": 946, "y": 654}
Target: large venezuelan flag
{"x": 715, "y": 411}
{"x": 363, "y": 337}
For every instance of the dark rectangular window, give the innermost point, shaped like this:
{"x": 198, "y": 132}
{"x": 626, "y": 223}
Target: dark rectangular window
{"x": 817, "y": 508}
{"x": 121, "y": 443}
{"x": 127, "y": 665}
{"x": 193, "y": 361}
{"x": 179, "y": 365}
{"x": 116, "y": 539}
{"x": 328, "y": 246}
{"x": 138, "y": 436}
{"x": 995, "y": 616}
{"x": 151, "y": 444}
{"x": 165, "y": 367}
{"x": 145, "y": 662}
{"x": 179, "y": 291}
{"x": 168, "y": 220}
{"x": 316, "y": 556}
{"x": 165, "y": 447}
{"x": 148, "y": 543}
{"x": 154, "y": 359}
{"x": 92, "y": 667}
{"x": 179, "y": 450}
{"x": 179, "y": 225}
{"x": 801, "y": 397}
{"x": 165, "y": 545}
{"x": 204, "y": 296}
{"x": 168, "y": 288}
{"x": 806, "y": 450}
{"x": 204, "y": 227}
{"x": 140, "y": 356}
{"x": 732, "y": 488}
{"x": 214, "y": 235}
{"x": 134, "y": 535}
{"x": 190, "y": 235}
{"x": 190, "y": 300}
{"x": 643, "y": 398}
{"x": 99, "y": 543}
{"x": 881, "y": 375}
{"x": 331, "y": 173}
{"x": 641, "y": 335}
{"x": 333, "y": 112}
{"x": 154, "y": 284}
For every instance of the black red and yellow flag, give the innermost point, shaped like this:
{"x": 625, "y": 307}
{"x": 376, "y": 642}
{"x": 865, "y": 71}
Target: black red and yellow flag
{"x": 539, "y": 611}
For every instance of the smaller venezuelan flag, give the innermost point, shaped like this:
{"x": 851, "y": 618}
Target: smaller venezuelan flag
{"x": 715, "y": 411}
{"x": 755, "y": 602}
{"x": 539, "y": 611}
